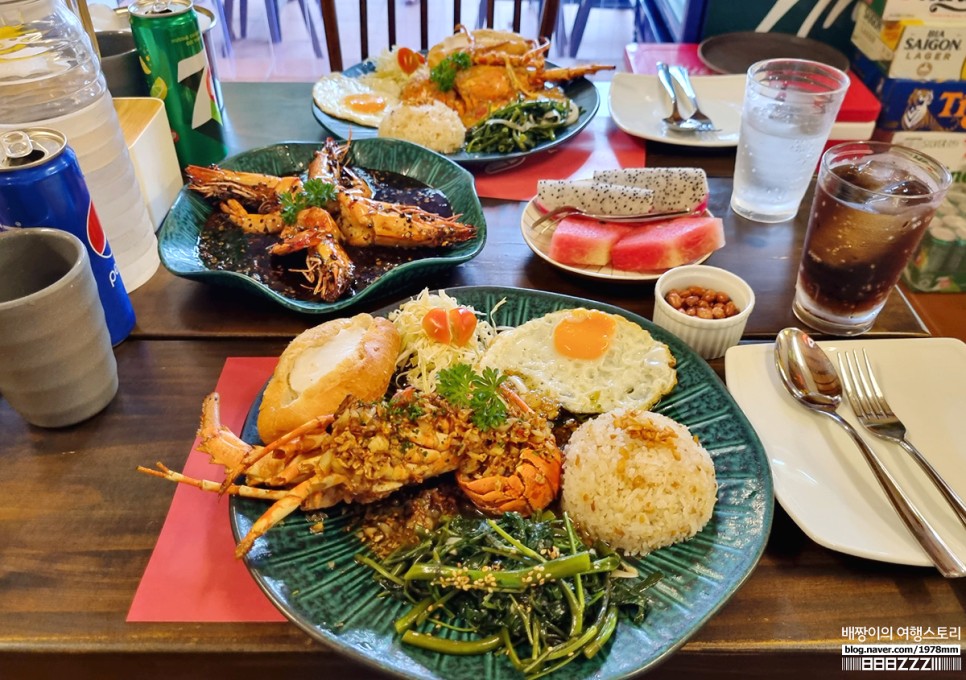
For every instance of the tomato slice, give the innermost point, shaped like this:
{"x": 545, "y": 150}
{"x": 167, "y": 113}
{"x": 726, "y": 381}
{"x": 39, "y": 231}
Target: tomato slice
{"x": 436, "y": 325}
{"x": 455, "y": 326}
{"x": 462, "y": 323}
{"x": 409, "y": 60}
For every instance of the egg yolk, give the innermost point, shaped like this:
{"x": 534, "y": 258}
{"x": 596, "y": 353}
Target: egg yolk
{"x": 585, "y": 335}
{"x": 365, "y": 103}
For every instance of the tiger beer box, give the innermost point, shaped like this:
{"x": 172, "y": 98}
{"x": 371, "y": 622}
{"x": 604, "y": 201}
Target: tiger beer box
{"x": 939, "y": 263}
{"x": 915, "y": 49}
{"x": 908, "y": 104}
{"x": 949, "y": 148}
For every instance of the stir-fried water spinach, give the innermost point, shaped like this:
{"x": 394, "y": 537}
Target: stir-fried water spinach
{"x": 527, "y": 586}
{"x": 521, "y": 126}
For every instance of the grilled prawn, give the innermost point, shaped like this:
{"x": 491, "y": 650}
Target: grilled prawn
{"x": 253, "y": 202}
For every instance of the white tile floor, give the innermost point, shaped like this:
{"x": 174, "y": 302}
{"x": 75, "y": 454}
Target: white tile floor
{"x": 257, "y": 58}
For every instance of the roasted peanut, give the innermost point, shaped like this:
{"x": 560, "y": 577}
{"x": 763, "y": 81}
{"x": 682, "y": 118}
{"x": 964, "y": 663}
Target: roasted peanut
{"x": 703, "y": 303}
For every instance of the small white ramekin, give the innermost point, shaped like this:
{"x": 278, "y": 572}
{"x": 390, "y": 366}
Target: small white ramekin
{"x": 710, "y": 338}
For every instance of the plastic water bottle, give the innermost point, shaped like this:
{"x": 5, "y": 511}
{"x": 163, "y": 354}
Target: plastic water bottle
{"x": 50, "y": 77}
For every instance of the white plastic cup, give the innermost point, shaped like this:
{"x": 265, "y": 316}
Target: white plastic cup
{"x": 57, "y": 367}
{"x": 95, "y": 135}
{"x": 789, "y": 108}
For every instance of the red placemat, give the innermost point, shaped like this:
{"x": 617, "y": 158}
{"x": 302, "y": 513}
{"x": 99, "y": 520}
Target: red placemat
{"x": 599, "y": 146}
{"x": 859, "y": 106}
{"x": 643, "y": 57}
{"x": 193, "y": 575}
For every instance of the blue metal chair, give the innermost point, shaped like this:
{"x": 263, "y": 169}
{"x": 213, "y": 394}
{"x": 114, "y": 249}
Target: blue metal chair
{"x": 274, "y": 25}
{"x": 583, "y": 13}
{"x": 548, "y": 20}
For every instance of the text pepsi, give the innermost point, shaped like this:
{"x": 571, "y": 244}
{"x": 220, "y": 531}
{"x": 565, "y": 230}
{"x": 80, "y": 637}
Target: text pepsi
{"x": 41, "y": 185}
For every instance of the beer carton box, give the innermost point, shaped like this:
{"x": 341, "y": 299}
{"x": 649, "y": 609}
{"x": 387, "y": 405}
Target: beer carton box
{"x": 914, "y": 49}
{"x": 939, "y": 264}
{"x": 876, "y": 37}
{"x": 949, "y": 148}
{"x": 914, "y": 105}
{"x": 932, "y": 10}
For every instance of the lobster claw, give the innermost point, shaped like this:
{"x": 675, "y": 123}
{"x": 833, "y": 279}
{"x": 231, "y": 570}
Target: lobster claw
{"x": 530, "y": 488}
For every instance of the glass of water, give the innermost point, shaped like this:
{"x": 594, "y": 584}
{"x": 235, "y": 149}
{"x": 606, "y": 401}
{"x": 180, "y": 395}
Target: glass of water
{"x": 789, "y": 108}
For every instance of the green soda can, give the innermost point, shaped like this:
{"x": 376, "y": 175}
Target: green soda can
{"x": 176, "y": 66}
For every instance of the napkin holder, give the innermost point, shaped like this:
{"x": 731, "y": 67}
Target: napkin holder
{"x": 148, "y": 137}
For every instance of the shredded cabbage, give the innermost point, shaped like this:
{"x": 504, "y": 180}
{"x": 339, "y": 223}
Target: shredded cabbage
{"x": 387, "y": 67}
{"x": 421, "y": 358}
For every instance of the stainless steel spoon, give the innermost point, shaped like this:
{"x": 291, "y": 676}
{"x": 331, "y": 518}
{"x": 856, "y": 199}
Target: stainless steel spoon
{"x": 808, "y": 374}
{"x": 705, "y": 124}
{"x": 675, "y": 121}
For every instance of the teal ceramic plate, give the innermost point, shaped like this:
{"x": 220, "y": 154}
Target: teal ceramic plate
{"x": 314, "y": 581}
{"x": 580, "y": 90}
{"x": 179, "y": 234}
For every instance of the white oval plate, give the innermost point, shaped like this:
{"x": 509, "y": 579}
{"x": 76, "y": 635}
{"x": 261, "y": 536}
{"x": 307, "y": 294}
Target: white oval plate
{"x": 539, "y": 243}
{"x": 638, "y": 104}
{"x": 821, "y": 478}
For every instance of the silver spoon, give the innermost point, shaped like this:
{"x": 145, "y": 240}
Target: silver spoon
{"x": 674, "y": 121}
{"x": 705, "y": 124}
{"x": 808, "y": 374}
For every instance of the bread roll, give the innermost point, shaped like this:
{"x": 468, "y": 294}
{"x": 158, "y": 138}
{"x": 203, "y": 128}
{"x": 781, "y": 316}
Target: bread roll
{"x": 325, "y": 364}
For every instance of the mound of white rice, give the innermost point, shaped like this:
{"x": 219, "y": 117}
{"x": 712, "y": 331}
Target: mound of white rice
{"x": 637, "y": 481}
{"x": 435, "y": 126}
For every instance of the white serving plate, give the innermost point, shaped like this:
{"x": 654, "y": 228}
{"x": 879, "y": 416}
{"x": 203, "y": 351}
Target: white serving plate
{"x": 638, "y": 103}
{"x": 539, "y": 242}
{"x": 821, "y": 479}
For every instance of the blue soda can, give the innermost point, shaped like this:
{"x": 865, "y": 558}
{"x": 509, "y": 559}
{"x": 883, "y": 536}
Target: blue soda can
{"x": 41, "y": 185}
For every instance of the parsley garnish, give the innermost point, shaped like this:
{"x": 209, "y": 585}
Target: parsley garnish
{"x": 314, "y": 193}
{"x": 444, "y": 73}
{"x": 455, "y": 384}
{"x": 463, "y": 387}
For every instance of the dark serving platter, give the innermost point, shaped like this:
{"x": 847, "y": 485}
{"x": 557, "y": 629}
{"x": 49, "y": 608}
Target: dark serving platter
{"x": 180, "y": 233}
{"x": 580, "y": 90}
{"x": 314, "y": 580}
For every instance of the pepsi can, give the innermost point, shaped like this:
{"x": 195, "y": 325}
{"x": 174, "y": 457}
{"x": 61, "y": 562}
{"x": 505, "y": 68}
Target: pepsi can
{"x": 41, "y": 185}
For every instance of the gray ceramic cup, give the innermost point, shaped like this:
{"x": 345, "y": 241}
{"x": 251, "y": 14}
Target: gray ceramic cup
{"x": 57, "y": 367}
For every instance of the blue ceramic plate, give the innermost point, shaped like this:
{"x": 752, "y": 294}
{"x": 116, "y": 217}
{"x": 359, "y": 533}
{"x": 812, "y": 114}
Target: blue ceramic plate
{"x": 314, "y": 581}
{"x": 580, "y": 90}
{"x": 180, "y": 232}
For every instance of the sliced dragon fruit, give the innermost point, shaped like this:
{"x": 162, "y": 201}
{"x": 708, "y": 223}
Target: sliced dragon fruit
{"x": 674, "y": 188}
{"x": 594, "y": 197}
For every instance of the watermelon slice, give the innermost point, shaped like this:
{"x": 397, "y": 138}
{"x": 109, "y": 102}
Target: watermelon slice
{"x": 584, "y": 241}
{"x": 662, "y": 245}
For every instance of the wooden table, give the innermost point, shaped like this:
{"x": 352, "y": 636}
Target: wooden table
{"x": 77, "y": 525}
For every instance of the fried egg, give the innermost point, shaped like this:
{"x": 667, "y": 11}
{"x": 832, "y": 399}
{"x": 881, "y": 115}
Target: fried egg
{"x": 363, "y": 100}
{"x": 587, "y": 360}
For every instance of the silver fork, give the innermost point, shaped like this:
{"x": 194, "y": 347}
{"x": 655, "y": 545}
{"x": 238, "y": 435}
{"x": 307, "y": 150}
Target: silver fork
{"x": 551, "y": 218}
{"x": 875, "y": 415}
{"x": 705, "y": 124}
{"x": 675, "y": 121}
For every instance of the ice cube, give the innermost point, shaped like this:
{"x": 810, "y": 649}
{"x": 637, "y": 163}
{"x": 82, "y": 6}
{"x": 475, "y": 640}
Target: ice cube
{"x": 849, "y": 234}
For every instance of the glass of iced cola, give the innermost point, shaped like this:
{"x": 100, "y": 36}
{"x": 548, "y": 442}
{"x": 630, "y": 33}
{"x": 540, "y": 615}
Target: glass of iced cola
{"x": 872, "y": 203}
